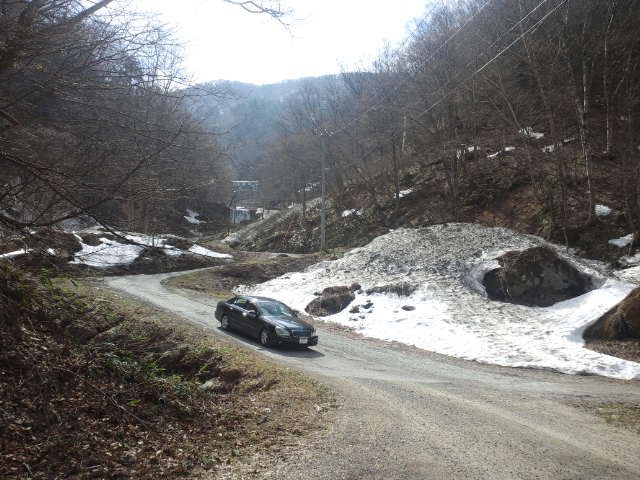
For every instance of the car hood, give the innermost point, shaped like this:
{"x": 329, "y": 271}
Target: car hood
{"x": 287, "y": 322}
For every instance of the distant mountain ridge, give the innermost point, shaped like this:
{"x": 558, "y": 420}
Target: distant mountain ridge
{"x": 248, "y": 115}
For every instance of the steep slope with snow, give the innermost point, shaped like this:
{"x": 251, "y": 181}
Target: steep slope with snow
{"x": 449, "y": 311}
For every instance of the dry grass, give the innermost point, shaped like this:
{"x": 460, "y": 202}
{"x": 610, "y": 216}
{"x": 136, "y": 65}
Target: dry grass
{"x": 220, "y": 282}
{"x": 620, "y": 414}
{"x": 97, "y": 385}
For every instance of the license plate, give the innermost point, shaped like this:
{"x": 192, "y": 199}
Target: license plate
{"x": 303, "y": 340}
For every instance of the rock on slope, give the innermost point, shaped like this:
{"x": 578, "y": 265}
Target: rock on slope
{"x": 535, "y": 277}
{"x": 622, "y": 322}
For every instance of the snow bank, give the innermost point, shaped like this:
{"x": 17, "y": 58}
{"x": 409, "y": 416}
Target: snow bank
{"x": 198, "y": 250}
{"x": 111, "y": 253}
{"x": 108, "y": 254}
{"x": 452, "y": 314}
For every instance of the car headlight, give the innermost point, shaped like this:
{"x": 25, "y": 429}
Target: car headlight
{"x": 282, "y": 332}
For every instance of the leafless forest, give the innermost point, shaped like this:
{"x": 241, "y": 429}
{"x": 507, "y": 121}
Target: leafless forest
{"x": 98, "y": 119}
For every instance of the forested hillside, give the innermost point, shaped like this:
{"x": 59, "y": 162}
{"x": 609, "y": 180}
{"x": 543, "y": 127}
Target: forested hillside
{"x": 517, "y": 113}
{"x": 93, "y": 121}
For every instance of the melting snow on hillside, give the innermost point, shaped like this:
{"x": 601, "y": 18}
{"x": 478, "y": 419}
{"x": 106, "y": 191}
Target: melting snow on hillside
{"x": 452, "y": 314}
{"x": 111, "y": 253}
{"x": 192, "y": 217}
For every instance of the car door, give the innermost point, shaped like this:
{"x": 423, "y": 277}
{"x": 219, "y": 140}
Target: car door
{"x": 252, "y": 320}
{"x": 238, "y": 317}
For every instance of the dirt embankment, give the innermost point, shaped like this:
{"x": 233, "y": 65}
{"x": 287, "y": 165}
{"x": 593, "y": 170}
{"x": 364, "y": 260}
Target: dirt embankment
{"x": 497, "y": 191}
{"x": 93, "y": 385}
{"x": 221, "y": 281}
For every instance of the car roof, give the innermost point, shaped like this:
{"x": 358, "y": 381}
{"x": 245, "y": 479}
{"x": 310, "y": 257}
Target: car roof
{"x": 253, "y": 298}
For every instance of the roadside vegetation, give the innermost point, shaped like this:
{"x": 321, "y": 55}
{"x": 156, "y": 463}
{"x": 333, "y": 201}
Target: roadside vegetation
{"x": 94, "y": 385}
{"x": 221, "y": 281}
{"x": 618, "y": 414}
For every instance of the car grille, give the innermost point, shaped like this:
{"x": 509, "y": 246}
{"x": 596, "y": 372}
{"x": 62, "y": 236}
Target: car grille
{"x": 301, "y": 333}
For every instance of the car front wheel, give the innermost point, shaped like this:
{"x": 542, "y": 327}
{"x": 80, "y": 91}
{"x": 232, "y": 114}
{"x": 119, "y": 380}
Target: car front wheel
{"x": 266, "y": 338}
{"x": 224, "y": 323}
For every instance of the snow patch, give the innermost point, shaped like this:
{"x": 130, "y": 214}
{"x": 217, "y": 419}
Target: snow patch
{"x": 348, "y": 213}
{"x": 529, "y": 133}
{"x": 509, "y": 149}
{"x": 15, "y": 253}
{"x": 404, "y": 193}
{"x": 199, "y": 250}
{"x": 192, "y": 217}
{"x": 602, "y": 210}
{"x": 622, "y": 241}
{"x": 108, "y": 254}
{"x": 452, "y": 315}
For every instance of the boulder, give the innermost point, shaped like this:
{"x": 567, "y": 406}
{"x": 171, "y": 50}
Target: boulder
{"x": 535, "y": 277}
{"x": 622, "y": 322}
{"x": 332, "y": 301}
{"x": 402, "y": 289}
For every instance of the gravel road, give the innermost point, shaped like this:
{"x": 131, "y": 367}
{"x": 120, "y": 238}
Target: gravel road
{"x": 410, "y": 414}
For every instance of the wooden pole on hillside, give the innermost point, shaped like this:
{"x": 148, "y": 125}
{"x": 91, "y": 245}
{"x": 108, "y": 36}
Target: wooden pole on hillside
{"x": 323, "y": 205}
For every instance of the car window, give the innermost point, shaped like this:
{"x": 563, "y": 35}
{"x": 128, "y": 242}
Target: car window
{"x": 241, "y": 302}
{"x": 251, "y": 307}
{"x": 275, "y": 309}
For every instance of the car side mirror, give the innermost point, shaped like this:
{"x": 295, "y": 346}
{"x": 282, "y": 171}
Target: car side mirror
{"x": 250, "y": 314}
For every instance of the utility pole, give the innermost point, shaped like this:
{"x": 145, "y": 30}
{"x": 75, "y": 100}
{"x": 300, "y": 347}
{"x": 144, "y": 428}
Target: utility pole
{"x": 404, "y": 132}
{"x": 323, "y": 204}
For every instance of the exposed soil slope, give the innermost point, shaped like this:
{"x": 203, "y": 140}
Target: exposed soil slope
{"x": 497, "y": 191}
{"x": 96, "y": 386}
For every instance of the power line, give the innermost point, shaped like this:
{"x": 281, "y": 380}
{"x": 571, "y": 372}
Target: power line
{"x": 422, "y": 64}
{"x": 498, "y": 55}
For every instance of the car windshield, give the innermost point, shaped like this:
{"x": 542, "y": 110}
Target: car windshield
{"x": 275, "y": 309}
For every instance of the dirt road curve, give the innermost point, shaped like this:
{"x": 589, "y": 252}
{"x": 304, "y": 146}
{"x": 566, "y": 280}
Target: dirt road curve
{"x": 415, "y": 415}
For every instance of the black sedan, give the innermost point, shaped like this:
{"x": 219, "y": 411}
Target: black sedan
{"x": 270, "y": 321}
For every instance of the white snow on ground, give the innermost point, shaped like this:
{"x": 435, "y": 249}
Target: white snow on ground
{"x": 629, "y": 260}
{"x": 191, "y": 217}
{"x": 198, "y": 250}
{"x": 622, "y": 241}
{"x": 509, "y": 149}
{"x": 348, "y": 213}
{"x": 16, "y": 253}
{"x": 404, "y": 193}
{"x": 493, "y": 155}
{"x": 602, "y": 210}
{"x": 631, "y": 275}
{"x": 108, "y": 254}
{"x": 452, "y": 314}
{"x": 529, "y": 133}
{"x": 112, "y": 253}
{"x": 549, "y": 149}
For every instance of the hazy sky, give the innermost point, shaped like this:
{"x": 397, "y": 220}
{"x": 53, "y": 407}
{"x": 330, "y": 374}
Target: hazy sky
{"x": 224, "y": 42}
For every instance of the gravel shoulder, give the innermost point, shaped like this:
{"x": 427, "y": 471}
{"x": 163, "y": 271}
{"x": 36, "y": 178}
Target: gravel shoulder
{"x": 407, "y": 413}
